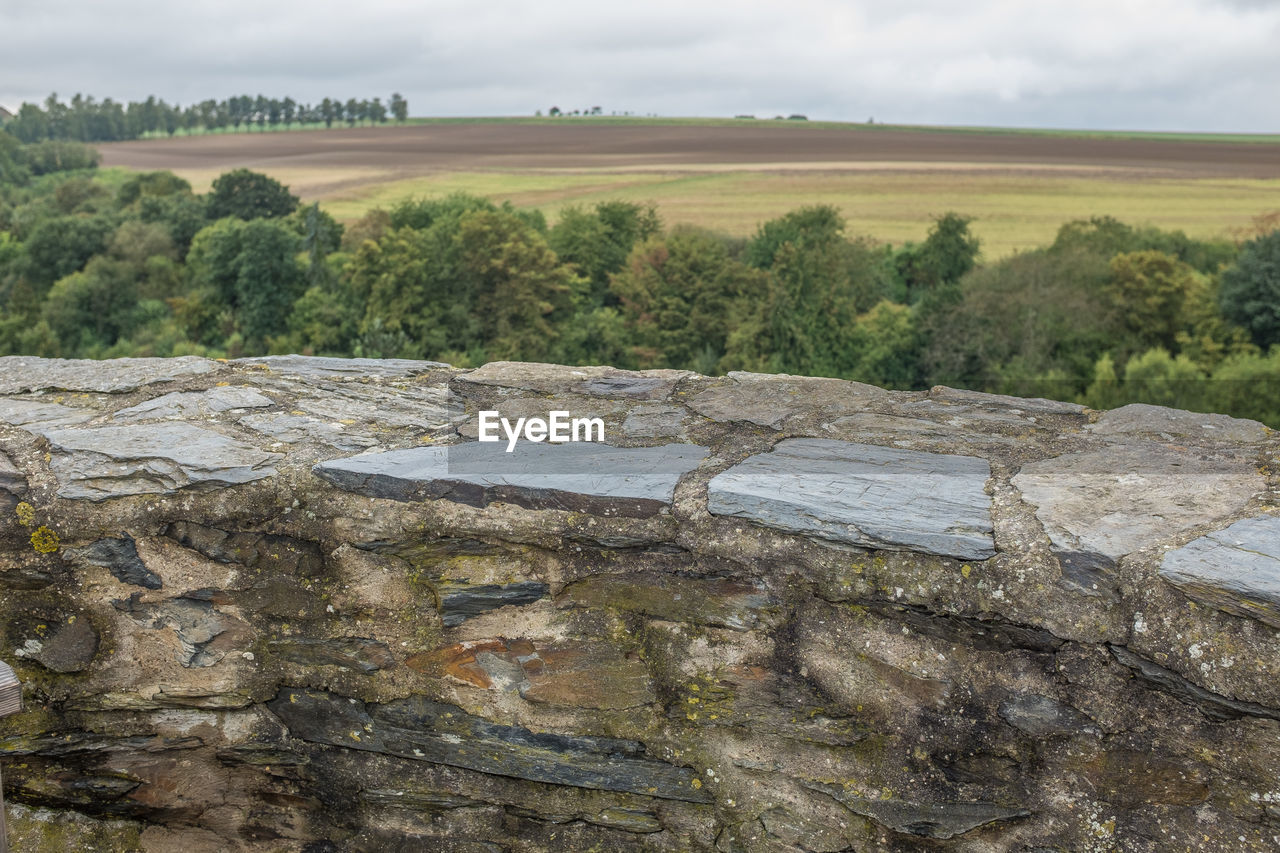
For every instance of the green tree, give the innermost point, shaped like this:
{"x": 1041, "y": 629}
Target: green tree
{"x": 947, "y": 254}
{"x": 1250, "y": 292}
{"x": 676, "y": 295}
{"x": 597, "y": 242}
{"x": 251, "y": 269}
{"x": 64, "y": 244}
{"x": 399, "y": 107}
{"x": 1156, "y": 296}
{"x": 250, "y": 195}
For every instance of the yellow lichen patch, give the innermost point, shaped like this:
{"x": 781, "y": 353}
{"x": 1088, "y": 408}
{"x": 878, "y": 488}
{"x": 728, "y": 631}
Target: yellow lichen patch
{"x": 966, "y": 569}
{"x": 44, "y": 540}
{"x": 26, "y": 514}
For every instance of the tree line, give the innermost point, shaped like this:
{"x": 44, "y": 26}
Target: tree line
{"x": 125, "y": 265}
{"x": 84, "y": 119}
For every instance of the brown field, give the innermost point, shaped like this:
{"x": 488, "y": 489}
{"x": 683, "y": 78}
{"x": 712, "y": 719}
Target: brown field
{"x": 888, "y": 181}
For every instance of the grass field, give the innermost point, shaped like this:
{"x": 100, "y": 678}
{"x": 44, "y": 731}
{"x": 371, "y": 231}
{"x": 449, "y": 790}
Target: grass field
{"x": 1011, "y": 212}
{"x": 731, "y": 175}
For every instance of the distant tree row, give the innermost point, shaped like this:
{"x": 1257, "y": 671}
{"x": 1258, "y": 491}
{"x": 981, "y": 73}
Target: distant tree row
{"x": 85, "y": 119}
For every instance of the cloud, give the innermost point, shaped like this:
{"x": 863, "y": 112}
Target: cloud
{"x": 1161, "y": 64}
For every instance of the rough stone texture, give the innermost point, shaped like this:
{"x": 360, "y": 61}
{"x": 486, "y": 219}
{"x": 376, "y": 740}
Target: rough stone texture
{"x": 20, "y": 373}
{"x": 944, "y": 620}
{"x": 583, "y": 476}
{"x": 120, "y": 557}
{"x": 306, "y": 367}
{"x": 864, "y": 495}
{"x": 107, "y": 462}
{"x": 1237, "y": 569}
{"x": 194, "y": 404}
{"x": 1141, "y": 419}
{"x": 1100, "y": 505}
{"x": 37, "y": 417}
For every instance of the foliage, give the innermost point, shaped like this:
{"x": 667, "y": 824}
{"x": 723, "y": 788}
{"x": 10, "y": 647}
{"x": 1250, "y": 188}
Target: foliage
{"x": 1250, "y": 294}
{"x": 948, "y": 253}
{"x": 95, "y": 265}
{"x": 250, "y": 195}
{"x": 251, "y": 270}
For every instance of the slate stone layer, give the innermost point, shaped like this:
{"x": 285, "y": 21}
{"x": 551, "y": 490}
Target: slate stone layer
{"x": 291, "y": 604}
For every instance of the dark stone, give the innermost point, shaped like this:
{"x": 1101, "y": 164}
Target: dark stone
{"x": 986, "y": 633}
{"x": 278, "y": 554}
{"x": 1210, "y": 704}
{"x": 70, "y": 648}
{"x": 719, "y": 602}
{"x": 81, "y": 743}
{"x": 120, "y": 557}
{"x": 417, "y": 728}
{"x": 360, "y": 653}
{"x": 460, "y": 604}
{"x": 1041, "y": 716}
{"x": 930, "y": 820}
{"x": 864, "y": 495}
{"x": 579, "y": 476}
{"x": 262, "y": 755}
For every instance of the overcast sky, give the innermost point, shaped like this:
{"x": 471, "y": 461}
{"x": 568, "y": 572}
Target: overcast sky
{"x": 1209, "y": 65}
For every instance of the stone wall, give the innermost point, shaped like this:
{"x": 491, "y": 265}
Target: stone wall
{"x": 259, "y": 606}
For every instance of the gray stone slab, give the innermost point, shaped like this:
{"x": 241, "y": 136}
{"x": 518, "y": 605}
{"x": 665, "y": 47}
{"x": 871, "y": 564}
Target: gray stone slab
{"x": 592, "y": 381}
{"x": 35, "y": 416}
{"x": 20, "y": 373}
{"x": 1030, "y": 405}
{"x": 195, "y": 404}
{"x": 1097, "y": 506}
{"x": 1177, "y": 425}
{"x": 314, "y": 367}
{"x": 1236, "y": 569}
{"x": 596, "y": 478}
{"x": 106, "y": 462}
{"x": 865, "y": 495}
{"x": 769, "y": 399}
{"x": 421, "y": 408}
{"x": 292, "y": 429}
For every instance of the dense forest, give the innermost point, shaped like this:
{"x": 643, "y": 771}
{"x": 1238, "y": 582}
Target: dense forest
{"x": 110, "y": 264}
{"x": 85, "y": 119}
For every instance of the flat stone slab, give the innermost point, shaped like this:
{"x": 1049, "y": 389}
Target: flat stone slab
{"x": 20, "y": 374}
{"x": 584, "y": 477}
{"x": 769, "y": 399}
{"x": 864, "y": 495}
{"x": 1097, "y": 506}
{"x": 1236, "y": 569}
{"x": 195, "y": 404}
{"x": 1177, "y": 425}
{"x": 35, "y": 416}
{"x": 421, "y": 730}
{"x": 291, "y": 429}
{"x": 107, "y": 462}
{"x": 592, "y": 381}
{"x": 316, "y": 367}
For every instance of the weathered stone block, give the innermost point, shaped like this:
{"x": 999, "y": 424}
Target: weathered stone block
{"x": 108, "y": 462}
{"x": 1236, "y": 569}
{"x": 861, "y": 494}
{"x": 584, "y": 477}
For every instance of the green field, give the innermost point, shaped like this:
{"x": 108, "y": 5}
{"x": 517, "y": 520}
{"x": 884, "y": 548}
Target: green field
{"x": 1011, "y": 212}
